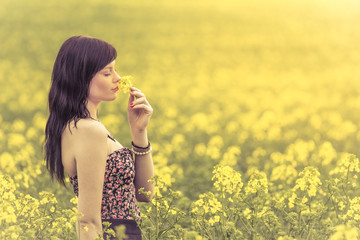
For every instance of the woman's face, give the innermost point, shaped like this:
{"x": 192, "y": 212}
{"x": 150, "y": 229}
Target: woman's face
{"x": 103, "y": 85}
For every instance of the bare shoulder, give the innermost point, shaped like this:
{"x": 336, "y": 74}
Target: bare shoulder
{"x": 89, "y": 142}
{"x": 86, "y": 128}
{"x": 85, "y": 132}
{"x": 84, "y": 138}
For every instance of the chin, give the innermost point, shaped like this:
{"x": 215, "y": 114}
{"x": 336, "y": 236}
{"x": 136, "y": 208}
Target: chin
{"x": 113, "y": 98}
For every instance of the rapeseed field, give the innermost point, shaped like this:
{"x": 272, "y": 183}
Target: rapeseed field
{"x": 255, "y": 130}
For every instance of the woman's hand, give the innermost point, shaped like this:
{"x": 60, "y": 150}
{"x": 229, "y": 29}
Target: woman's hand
{"x": 139, "y": 111}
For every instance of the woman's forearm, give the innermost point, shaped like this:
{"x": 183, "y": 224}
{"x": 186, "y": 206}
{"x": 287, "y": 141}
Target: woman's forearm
{"x": 144, "y": 167}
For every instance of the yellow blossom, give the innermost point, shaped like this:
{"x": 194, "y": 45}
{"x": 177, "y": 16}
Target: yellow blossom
{"x": 125, "y": 83}
{"x": 326, "y": 153}
{"x": 257, "y": 183}
{"x": 227, "y": 180}
{"x": 231, "y": 156}
{"x": 345, "y": 232}
{"x": 214, "y": 220}
{"x": 74, "y": 200}
{"x": 207, "y": 203}
{"x": 247, "y": 213}
{"x": 309, "y": 181}
{"x": 292, "y": 200}
{"x": 68, "y": 225}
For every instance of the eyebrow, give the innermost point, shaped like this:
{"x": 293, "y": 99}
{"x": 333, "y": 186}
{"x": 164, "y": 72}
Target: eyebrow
{"x": 107, "y": 68}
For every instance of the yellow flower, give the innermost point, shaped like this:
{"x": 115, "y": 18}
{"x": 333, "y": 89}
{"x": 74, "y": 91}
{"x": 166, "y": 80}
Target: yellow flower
{"x": 74, "y": 200}
{"x": 351, "y": 162}
{"x": 257, "y": 183}
{"x": 247, "y": 213}
{"x": 304, "y": 200}
{"x": 125, "y": 83}
{"x": 73, "y": 219}
{"x": 341, "y": 205}
{"x": 284, "y": 172}
{"x": 227, "y": 179}
{"x": 18, "y": 126}
{"x": 7, "y": 162}
{"x": 347, "y": 162}
{"x": 345, "y": 232}
{"x": 200, "y": 149}
{"x": 15, "y": 140}
{"x": 231, "y": 156}
{"x": 44, "y": 201}
{"x": 214, "y": 220}
{"x": 354, "y": 211}
{"x": 68, "y": 225}
{"x": 195, "y": 210}
{"x": 14, "y": 236}
{"x": 262, "y": 212}
{"x": 206, "y": 204}
{"x": 214, "y": 205}
{"x": 309, "y": 181}
{"x": 326, "y": 153}
{"x": 285, "y": 238}
{"x": 292, "y": 200}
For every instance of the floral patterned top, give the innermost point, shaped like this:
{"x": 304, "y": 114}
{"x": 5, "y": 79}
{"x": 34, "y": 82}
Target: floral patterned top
{"x": 118, "y": 201}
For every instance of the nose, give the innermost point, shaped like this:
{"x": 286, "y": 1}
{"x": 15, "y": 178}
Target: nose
{"x": 117, "y": 77}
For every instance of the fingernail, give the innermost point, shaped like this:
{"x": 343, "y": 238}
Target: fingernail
{"x": 131, "y": 104}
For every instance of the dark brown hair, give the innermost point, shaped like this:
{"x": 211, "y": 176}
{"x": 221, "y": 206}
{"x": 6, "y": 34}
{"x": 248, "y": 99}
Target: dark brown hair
{"x": 78, "y": 60}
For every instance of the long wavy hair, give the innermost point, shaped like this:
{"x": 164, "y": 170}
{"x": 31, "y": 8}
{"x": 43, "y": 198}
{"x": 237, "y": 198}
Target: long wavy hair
{"x": 78, "y": 60}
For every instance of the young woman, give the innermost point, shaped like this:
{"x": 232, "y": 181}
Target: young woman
{"x": 104, "y": 174}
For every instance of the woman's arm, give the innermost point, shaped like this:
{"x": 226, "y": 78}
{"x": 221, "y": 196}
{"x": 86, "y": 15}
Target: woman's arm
{"x": 144, "y": 168}
{"x": 90, "y": 155}
{"x": 139, "y": 114}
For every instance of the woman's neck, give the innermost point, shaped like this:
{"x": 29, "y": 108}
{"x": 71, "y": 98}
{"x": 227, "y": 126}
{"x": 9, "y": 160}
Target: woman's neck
{"x": 92, "y": 108}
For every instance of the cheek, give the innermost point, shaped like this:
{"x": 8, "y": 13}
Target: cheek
{"x": 98, "y": 87}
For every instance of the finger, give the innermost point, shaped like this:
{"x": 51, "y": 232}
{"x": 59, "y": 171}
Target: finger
{"x": 131, "y": 98}
{"x": 143, "y": 106}
{"x": 139, "y": 101}
{"x": 135, "y": 89}
{"x": 137, "y": 94}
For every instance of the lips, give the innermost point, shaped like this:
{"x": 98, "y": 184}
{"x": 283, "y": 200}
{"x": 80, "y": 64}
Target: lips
{"x": 116, "y": 89}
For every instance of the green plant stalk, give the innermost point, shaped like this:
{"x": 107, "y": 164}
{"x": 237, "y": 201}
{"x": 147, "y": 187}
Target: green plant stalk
{"x": 203, "y": 227}
{"x": 222, "y": 229}
{"x": 345, "y": 190}
{"x": 78, "y": 223}
{"x": 44, "y": 226}
{"x": 156, "y": 217}
{"x": 247, "y": 224}
{"x": 45, "y": 209}
{"x": 332, "y": 201}
{"x": 309, "y": 222}
{"x": 168, "y": 210}
{"x": 167, "y": 229}
{"x": 299, "y": 222}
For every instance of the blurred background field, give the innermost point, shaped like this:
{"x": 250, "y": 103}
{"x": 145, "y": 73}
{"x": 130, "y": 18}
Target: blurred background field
{"x": 233, "y": 82}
